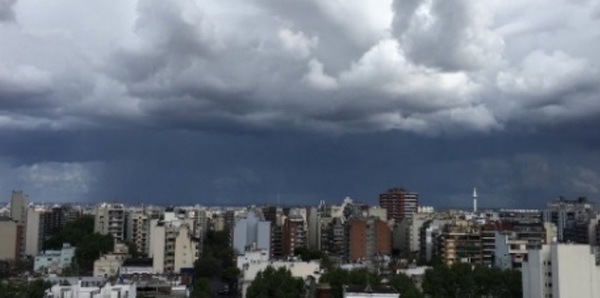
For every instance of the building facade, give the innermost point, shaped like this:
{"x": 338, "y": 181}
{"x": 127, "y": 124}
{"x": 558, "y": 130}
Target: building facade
{"x": 399, "y": 203}
{"x": 367, "y": 238}
{"x": 561, "y": 271}
{"x": 54, "y": 260}
{"x": 110, "y": 219}
{"x": 18, "y": 206}
{"x": 12, "y": 245}
{"x": 251, "y": 232}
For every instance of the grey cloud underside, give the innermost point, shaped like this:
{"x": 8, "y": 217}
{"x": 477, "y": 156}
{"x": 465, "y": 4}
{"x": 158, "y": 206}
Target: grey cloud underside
{"x": 7, "y": 13}
{"x": 299, "y": 98}
{"x": 421, "y": 66}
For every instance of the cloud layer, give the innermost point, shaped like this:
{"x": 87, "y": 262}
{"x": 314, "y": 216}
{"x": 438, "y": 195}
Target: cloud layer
{"x": 431, "y": 68}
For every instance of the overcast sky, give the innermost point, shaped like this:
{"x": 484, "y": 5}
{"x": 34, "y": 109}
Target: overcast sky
{"x": 236, "y": 102}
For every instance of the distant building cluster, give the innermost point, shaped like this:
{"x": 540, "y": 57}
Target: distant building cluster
{"x": 394, "y": 235}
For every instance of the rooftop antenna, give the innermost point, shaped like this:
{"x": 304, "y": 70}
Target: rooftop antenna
{"x": 474, "y": 199}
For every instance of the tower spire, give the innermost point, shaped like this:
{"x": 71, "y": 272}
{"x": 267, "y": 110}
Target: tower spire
{"x": 474, "y": 199}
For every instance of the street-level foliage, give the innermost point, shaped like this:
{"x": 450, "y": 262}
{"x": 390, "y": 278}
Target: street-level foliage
{"x": 338, "y": 277}
{"x": 464, "y": 280}
{"x": 216, "y": 268}
{"x": 275, "y": 283}
{"x": 31, "y": 289}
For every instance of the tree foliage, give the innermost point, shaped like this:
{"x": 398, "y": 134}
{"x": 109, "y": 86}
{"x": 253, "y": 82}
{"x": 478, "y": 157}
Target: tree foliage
{"x": 35, "y": 288}
{"x": 338, "y": 277}
{"x": 464, "y": 280}
{"x": 307, "y": 254}
{"x": 405, "y": 286}
{"x": 216, "y": 264}
{"x": 275, "y": 283}
{"x": 72, "y": 233}
{"x": 88, "y": 245}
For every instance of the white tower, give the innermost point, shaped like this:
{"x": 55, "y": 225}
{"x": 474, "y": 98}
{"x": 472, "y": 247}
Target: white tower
{"x": 474, "y": 200}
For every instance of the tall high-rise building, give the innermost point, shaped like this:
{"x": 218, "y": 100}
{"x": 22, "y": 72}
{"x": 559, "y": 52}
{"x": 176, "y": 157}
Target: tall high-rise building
{"x": 399, "y": 203}
{"x": 110, "y": 219}
{"x": 18, "y": 206}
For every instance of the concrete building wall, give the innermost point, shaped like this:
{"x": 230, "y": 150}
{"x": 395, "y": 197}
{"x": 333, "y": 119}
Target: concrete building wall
{"x": 185, "y": 249}
{"x": 157, "y": 246}
{"x": 264, "y": 235}
{"x": 562, "y": 271}
{"x": 33, "y": 232}
{"x": 10, "y": 232}
{"x": 138, "y": 226}
{"x": 251, "y": 231}
{"x": 18, "y": 206}
{"x": 240, "y": 235}
{"x": 314, "y": 228}
{"x": 110, "y": 219}
{"x": 574, "y": 272}
{"x": 534, "y": 273}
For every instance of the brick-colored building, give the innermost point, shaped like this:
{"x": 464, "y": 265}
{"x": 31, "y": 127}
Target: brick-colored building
{"x": 399, "y": 203}
{"x": 294, "y": 234}
{"x": 367, "y": 238}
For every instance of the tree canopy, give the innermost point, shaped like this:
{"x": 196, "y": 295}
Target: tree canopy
{"x": 216, "y": 265}
{"x": 35, "y": 288}
{"x": 88, "y": 245}
{"x": 275, "y": 283}
{"x": 338, "y": 277}
{"x": 465, "y": 280}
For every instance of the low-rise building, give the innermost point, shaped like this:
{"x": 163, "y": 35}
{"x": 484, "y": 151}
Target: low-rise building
{"x": 249, "y": 269}
{"x": 109, "y": 265}
{"x": 54, "y": 261}
{"x": 139, "y": 267}
{"x": 92, "y": 290}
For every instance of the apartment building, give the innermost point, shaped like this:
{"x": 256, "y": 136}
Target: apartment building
{"x": 110, "y": 219}
{"x": 561, "y": 271}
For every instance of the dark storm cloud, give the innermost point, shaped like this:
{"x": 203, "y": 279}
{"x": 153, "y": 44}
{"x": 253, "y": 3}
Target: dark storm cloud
{"x": 7, "y": 13}
{"x": 229, "y": 101}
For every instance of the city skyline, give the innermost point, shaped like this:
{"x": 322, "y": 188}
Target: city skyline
{"x": 147, "y": 101}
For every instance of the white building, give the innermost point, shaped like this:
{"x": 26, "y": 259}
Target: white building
{"x": 509, "y": 252}
{"x": 173, "y": 245}
{"x": 108, "y": 265}
{"x": 561, "y": 271}
{"x": 54, "y": 260}
{"x": 253, "y": 262}
{"x": 110, "y": 219}
{"x": 83, "y": 289}
{"x": 251, "y": 232}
